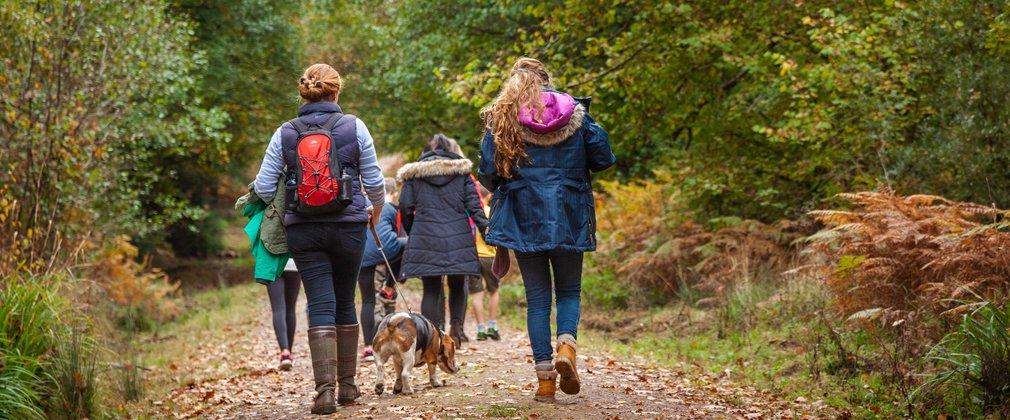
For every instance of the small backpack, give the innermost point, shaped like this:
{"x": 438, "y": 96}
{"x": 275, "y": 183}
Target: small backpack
{"x": 321, "y": 185}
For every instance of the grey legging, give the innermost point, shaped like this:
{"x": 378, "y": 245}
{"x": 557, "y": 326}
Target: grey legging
{"x": 283, "y": 296}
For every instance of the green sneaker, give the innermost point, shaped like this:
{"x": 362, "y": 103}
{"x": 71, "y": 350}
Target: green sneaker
{"x": 493, "y": 333}
{"x": 481, "y": 336}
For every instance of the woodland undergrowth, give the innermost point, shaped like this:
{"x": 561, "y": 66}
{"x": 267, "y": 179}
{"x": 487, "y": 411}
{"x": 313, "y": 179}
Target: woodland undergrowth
{"x": 902, "y": 278}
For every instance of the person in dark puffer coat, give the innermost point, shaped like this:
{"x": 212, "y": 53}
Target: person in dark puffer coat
{"x": 436, "y": 203}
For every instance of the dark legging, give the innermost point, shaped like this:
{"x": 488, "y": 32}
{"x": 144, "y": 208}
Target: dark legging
{"x": 283, "y": 295}
{"x": 328, "y": 256}
{"x": 366, "y": 284}
{"x": 432, "y": 303}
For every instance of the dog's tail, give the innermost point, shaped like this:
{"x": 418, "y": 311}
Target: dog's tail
{"x": 395, "y": 320}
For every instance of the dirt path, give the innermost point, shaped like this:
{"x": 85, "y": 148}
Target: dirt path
{"x": 496, "y": 380}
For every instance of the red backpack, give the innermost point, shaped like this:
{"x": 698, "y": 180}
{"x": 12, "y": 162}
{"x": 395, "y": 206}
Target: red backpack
{"x": 322, "y": 184}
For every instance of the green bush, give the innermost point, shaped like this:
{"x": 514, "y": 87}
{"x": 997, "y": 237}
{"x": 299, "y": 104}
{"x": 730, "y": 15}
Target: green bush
{"x": 47, "y": 368}
{"x": 72, "y": 375}
{"x": 198, "y": 238}
{"x": 18, "y": 397}
{"x": 512, "y": 295}
{"x": 604, "y": 289}
{"x": 132, "y": 318}
{"x": 975, "y": 362}
{"x": 28, "y": 328}
{"x": 132, "y": 386}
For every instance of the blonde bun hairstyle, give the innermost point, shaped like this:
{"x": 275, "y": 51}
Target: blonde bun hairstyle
{"x": 320, "y": 82}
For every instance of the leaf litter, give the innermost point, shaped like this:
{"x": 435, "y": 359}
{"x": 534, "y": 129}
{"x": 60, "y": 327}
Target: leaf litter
{"x": 490, "y": 384}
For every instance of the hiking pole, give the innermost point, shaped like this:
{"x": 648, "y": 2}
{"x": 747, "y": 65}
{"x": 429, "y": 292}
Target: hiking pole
{"x": 389, "y": 267}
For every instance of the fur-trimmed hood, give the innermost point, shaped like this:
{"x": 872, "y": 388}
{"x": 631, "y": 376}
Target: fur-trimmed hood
{"x": 437, "y": 167}
{"x": 562, "y": 117}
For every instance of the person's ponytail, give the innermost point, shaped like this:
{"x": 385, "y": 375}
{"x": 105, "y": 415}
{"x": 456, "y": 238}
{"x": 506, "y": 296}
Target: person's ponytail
{"x": 521, "y": 90}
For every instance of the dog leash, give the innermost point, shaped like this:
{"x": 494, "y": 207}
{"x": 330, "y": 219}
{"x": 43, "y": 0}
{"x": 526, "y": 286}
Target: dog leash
{"x": 389, "y": 267}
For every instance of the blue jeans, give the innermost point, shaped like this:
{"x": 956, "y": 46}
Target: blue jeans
{"x": 567, "y": 285}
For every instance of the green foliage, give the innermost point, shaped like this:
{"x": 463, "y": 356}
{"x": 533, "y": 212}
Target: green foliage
{"x": 975, "y": 362}
{"x": 776, "y": 343}
{"x": 132, "y": 385}
{"x": 18, "y": 399}
{"x": 759, "y": 110}
{"x": 253, "y": 61}
{"x": 99, "y": 110}
{"x": 73, "y": 376}
{"x": 28, "y": 317}
{"x": 250, "y": 62}
{"x": 607, "y": 291}
{"x": 956, "y": 148}
{"x": 397, "y": 55}
{"x": 512, "y": 296}
{"x": 198, "y": 238}
{"x": 47, "y": 366}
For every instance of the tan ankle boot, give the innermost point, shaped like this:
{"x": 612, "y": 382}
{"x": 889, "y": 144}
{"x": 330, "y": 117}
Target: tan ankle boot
{"x": 565, "y": 365}
{"x": 323, "y": 348}
{"x": 347, "y": 363}
{"x": 547, "y": 380}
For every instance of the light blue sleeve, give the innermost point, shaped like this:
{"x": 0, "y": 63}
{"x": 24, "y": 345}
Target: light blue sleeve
{"x": 271, "y": 169}
{"x": 368, "y": 166}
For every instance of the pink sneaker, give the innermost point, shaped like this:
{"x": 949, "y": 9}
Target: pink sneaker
{"x": 367, "y": 355}
{"x": 286, "y": 362}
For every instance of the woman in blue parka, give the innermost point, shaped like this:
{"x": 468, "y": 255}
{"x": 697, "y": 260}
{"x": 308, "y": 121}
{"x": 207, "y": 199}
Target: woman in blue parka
{"x": 538, "y": 151}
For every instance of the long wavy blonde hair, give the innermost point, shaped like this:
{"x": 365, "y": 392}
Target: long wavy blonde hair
{"x": 501, "y": 117}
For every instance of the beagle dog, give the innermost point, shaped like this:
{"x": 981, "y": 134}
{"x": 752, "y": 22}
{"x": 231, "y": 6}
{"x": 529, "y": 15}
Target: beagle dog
{"x": 411, "y": 340}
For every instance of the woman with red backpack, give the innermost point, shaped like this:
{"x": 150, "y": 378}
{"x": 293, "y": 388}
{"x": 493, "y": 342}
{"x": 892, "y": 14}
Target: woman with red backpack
{"x": 328, "y": 157}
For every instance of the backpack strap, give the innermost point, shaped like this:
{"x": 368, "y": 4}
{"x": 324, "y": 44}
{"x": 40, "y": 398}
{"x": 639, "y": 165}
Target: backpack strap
{"x": 299, "y": 125}
{"x": 336, "y": 167}
{"x": 332, "y": 121}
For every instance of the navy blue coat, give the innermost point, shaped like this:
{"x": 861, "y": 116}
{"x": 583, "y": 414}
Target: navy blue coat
{"x": 548, "y": 203}
{"x": 386, "y": 230}
{"x": 436, "y": 203}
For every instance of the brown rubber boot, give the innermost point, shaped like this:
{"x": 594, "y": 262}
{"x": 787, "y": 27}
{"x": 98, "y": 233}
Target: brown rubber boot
{"x": 347, "y": 363}
{"x": 565, "y": 365}
{"x": 323, "y": 348}
{"x": 547, "y": 380}
{"x": 456, "y": 332}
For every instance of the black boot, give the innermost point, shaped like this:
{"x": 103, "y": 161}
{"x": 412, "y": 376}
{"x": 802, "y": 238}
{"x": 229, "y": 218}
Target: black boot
{"x": 323, "y": 348}
{"x": 347, "y": 363}
{"x": 456, "y": 332}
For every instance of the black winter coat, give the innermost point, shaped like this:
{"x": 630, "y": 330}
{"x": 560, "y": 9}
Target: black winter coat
{"x": 437, "y": 200}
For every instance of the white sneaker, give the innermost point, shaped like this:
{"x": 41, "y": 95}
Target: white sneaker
{"x": 286, "y": 362}
{"x": 367, "y": 356}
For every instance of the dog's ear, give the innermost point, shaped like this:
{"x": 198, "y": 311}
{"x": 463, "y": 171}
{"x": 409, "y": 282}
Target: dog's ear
{"x": 447, "y": 355}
